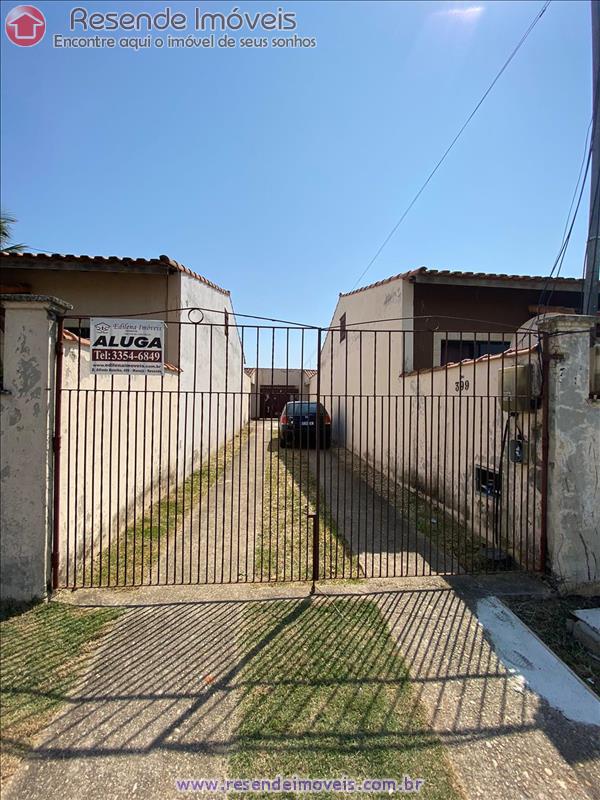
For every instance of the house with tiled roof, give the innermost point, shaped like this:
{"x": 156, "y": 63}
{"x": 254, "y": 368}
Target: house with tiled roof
{"x": 137, "y": 434}
{"x": 452, "y": 315}
{"x": 112, "y": 286}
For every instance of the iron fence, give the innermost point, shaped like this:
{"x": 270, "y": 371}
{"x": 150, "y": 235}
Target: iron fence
{"x": 428, "y": 458}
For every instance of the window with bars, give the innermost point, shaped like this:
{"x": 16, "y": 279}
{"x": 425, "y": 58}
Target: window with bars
{"x": 454, "y": 350}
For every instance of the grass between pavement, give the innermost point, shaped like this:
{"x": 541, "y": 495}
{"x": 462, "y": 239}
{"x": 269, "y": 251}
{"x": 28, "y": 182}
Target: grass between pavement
{"x": 327, "y": 695}
{"x": 284, "y": 549}
{"x": 548, "y": 619}
{"x": 129, "y": 561}
{"x": 42, "y": 655}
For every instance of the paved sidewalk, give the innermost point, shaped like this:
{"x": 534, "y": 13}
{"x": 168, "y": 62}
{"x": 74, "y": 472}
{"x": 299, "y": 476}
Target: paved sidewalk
{"x": 159, "y": 699}
{"x": 504, "y": 741}
{"x": 157, "y": 703}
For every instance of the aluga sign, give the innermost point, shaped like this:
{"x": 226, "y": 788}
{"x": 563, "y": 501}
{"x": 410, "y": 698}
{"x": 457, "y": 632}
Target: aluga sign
{"x": 127, "y": 346}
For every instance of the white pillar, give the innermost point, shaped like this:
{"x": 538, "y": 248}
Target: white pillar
{"x": 26, "y": 427}
{"x": 574, "y": 455}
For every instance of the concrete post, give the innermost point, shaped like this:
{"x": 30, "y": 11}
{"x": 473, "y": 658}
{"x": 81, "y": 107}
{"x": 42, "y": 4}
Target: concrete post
{"x": 574, "y": 455}
{"x": 26, "y": 427}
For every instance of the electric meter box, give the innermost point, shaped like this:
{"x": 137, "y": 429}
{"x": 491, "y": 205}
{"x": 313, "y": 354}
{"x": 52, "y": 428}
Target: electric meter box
{"x": 516, "y": 388}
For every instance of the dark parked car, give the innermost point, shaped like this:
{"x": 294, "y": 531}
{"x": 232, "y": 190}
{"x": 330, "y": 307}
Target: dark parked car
{"x": 299, "y": 420}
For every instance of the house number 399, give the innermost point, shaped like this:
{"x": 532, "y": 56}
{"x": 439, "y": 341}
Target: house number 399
{"x": 461, "y": 385}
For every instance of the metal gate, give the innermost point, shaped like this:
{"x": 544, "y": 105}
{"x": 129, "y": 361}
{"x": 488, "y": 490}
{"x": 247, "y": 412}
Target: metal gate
{"x": 427, "y": 456}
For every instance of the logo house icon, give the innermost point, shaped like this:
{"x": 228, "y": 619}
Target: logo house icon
{"x": 25, "y": 26}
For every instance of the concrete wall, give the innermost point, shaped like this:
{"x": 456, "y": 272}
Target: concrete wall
{"x": 574, "y": 455}
{"x": 265, "y": 376}
{"x": 105, "y": 294}
{"x": 26, "y": 426}
{"x": 119, "y": 454}
{"x": 431, "y": 429}
{"x": 384, "y": 308}
{"x": 132, "y": 440}
{"x": 216, "y": 391}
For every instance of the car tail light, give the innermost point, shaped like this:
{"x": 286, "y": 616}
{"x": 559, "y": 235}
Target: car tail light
{"x": 327, "y": 419}
{"x": 283, "y": 419}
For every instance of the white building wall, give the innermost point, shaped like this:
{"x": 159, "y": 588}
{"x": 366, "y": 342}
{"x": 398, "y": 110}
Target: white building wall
{"x": 366, "y": 364}
{"x": 119, "y": 455}
{"x": 215, "y": 391}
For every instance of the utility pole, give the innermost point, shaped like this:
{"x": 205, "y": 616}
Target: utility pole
{"x": 592, "y": 254}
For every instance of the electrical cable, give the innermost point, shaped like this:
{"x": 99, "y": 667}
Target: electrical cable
{"x": 453, "y": 142}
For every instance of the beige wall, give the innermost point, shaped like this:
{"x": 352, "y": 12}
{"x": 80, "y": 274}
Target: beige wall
{"x": 378, "y": 343}
{"x": 129, "y": 441}
{"x": 26, "y": 427}
{"x": 119, "y": 453}
{"x": 574, "y": 455}
{"x": 105, "y": 293}
{"x": 215, "y": 398}
{"x": 100, "y": 293}
{"x": 432, "y": 428}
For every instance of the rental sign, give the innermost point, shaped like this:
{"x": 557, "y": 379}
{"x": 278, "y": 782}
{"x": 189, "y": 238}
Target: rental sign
{"x": 127, "y": 346}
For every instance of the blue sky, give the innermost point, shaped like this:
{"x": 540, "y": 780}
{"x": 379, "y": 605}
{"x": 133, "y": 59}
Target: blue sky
{"x": 278, "y": 173}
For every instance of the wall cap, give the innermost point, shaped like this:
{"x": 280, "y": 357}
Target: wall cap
{"x": 568, "y": 322}
{"x": 45, "y": 301}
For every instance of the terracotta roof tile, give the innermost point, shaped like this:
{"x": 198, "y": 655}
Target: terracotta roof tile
{"x": 107, "y": 260}
{"x": 512, "y": 352}
{"x": 459, "y": 275}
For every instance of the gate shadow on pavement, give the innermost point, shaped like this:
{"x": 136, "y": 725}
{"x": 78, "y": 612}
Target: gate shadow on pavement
{"x": 161, "y": 696}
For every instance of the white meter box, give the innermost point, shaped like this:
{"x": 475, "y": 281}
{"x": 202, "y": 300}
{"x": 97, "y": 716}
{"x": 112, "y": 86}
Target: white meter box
{"x": 127, "y": 346}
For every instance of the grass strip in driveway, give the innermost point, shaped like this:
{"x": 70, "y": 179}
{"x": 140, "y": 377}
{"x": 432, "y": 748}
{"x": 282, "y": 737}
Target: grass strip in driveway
{"x": 42, "y": 655}
{"x": 327, "y": 695}
{"x": 284, "y": 548}
{"x": 130, "y": 559}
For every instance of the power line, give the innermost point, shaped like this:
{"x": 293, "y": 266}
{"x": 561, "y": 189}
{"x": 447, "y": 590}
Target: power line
{"x": 549, "y": 285}
{"x": 585, "y": 309}
{"x": 453, "y": 142}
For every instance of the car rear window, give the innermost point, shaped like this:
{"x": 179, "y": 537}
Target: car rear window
{"x": 301, "y": 408}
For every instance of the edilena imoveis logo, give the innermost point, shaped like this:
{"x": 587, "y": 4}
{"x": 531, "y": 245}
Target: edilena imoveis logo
{"x": 25, "y": 25}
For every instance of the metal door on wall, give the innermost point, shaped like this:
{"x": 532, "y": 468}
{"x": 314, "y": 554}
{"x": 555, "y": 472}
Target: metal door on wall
{"x": 273, "y": 399}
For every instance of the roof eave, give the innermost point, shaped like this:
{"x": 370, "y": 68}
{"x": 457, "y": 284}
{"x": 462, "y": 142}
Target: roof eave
{"x": 164, "y": 265}
{"x": 497, "y": 283}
